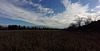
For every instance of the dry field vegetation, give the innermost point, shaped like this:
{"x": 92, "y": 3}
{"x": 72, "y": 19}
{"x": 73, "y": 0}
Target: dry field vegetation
{"x": 48, "y": 40}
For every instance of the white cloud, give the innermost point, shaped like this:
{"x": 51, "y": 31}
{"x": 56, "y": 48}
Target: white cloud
{"x": 99, "y": 0}
{"x": 20, "y": 2}
{"x": 98, "y": 6}
{"x": 98, "y": 12}
{"x": 40, "y": 0}
{"x": 37, "y": 5}
{"x": 96, "y": 9}
{"x": 92, "y": 10}
{"x": 60, "y": 20}
{"x": 41, "y": 8}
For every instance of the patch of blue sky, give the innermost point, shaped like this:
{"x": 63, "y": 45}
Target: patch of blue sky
{"x": 15, "y": 22}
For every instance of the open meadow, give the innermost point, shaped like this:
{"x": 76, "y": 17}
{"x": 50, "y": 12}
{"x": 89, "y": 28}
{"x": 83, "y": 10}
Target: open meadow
{"x": 48, "y": 40}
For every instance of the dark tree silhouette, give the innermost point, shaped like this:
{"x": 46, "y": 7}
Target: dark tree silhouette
{"x": 1, "y": 27}
{"x": 18, "y": 27}
{"x": 72, "y": 27}
{"x": 88, "y": 20}
{"x": 12, "y": 27}
{"x": 78, "y": 20}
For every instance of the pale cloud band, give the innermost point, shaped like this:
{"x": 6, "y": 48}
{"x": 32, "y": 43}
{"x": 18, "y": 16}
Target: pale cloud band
{"x": 98, "y": 6}
{"x": 96, "y": 9}
{"x": 60, "y": 20}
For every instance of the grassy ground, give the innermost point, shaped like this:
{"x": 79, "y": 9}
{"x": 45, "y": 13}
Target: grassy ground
{"x": 48, "y": 40}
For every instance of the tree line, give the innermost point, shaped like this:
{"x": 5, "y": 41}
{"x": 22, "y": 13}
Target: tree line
{"x": 84, "y": 24}
{"x": 19, "y": 27}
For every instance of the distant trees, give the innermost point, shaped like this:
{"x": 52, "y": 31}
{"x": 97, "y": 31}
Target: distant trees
{"x": 12, "y": 27}
{"x": 18, "y": 27}
{"x": 88, "y": 20}
{"x": 79, "y": 21}
{"x": 72, "y": 26}
{"x": 1, "y": 27}
{"x": 83, "y": 22}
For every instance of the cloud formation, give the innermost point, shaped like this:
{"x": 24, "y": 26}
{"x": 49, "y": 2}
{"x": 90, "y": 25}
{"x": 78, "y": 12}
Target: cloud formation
{"x": 98, "y": 6}
{"x": 96, "y": 9}
{"x": 41, "y": 8}
{"x": 60, "y": 20}
{"x": 40, "y": 0}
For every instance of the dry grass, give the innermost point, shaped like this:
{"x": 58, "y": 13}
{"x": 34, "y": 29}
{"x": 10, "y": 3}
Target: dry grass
{"x": 50, "y": 40}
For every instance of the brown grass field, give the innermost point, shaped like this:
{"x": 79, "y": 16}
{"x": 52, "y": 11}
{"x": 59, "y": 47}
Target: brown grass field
{"x": 48, "y": 40}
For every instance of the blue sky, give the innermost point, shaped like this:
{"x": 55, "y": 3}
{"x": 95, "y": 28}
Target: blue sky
{"x": 51, "y": 13}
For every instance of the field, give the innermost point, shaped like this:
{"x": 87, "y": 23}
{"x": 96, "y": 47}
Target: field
{"x": 48, "y": 40}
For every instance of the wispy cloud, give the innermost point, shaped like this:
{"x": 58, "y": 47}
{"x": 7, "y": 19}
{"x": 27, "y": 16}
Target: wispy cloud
{"x": 60, "y": 20}
{"x": 96, "y": 9}
{"x": 40, "y": 0}
{"x": 41, "y": 8}
{"x": 98, "y": 12}
{"x": 98, "y": 6}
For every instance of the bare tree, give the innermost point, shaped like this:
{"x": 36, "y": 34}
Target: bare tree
{"x": 78, "y": 20}
{"x": 73, "y": 25}
{"x": 88, "y": 20}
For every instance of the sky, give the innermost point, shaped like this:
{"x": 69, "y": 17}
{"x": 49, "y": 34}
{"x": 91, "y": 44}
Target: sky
{"x": 50, "y": 13}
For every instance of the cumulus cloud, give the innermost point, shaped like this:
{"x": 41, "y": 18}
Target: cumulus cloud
{"x": 60, "y": 20}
